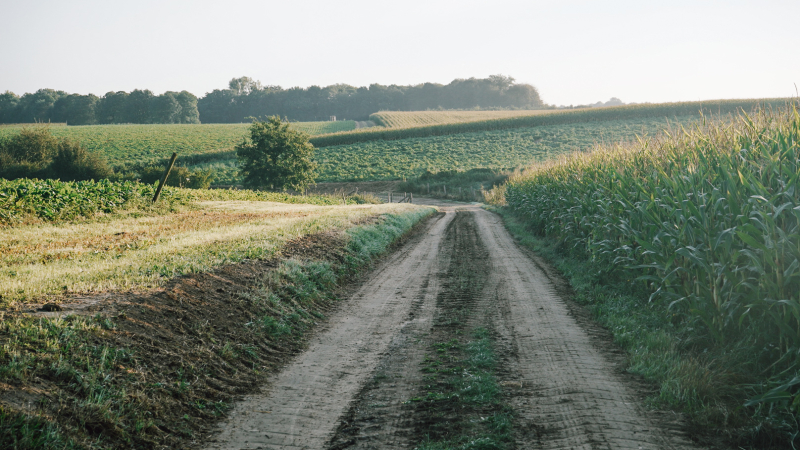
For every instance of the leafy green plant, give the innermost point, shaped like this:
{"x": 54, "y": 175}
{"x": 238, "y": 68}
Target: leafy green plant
{"x": 706, "y": 220}
{"x": 276, "y": 157}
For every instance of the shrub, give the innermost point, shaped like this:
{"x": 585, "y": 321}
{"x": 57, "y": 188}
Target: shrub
{"x": 74, "y": 163}
{"x": 35, "y": 153}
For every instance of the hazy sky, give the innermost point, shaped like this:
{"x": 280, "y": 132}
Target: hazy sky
{"x": 572, "y": 51}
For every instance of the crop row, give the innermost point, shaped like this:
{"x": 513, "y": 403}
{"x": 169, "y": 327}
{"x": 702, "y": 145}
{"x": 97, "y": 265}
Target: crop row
{"x": 139, "y": 145}
{"x": 53, "y": 200}
{"x": 409, "y": 158}
{"x": 407, "y": 119}
{"x": 629, "y": 112}
{"x": 708, "y": 220}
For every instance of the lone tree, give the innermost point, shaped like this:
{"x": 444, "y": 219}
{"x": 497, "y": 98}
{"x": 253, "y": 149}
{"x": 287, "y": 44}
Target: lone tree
{"x": 276, "y": 157}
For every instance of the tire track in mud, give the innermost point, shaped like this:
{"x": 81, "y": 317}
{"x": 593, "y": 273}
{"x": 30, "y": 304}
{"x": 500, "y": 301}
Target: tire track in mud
{"x": 352, "y": 388}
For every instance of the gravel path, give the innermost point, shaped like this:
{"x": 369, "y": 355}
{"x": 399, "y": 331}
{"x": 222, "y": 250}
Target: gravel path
{"x": 565, "y": 388}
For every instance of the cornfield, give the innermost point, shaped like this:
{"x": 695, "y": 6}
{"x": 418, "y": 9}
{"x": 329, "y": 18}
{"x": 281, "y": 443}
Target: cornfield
{"x": 708, "y": 218}
{"x": 642, "y": 111}
{"x": 407, "y": 119}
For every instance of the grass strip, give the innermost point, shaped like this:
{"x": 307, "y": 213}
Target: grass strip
{"x": 461, "y": 377}
{"x": 161, "y": 370}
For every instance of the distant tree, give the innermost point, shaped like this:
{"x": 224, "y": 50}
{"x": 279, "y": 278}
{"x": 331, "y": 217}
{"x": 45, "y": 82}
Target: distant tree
{"x": 37, "y": 106}
{"x": 244, "y": 85}
{"x": 137, "y": 108}
{"x": 276, "y": 157}
{"x": 188, "y": 103}
{"x": 217, "y": 106}
{"x": 76, "y": 109}
{"x": 8, "y": 106}
{"x": 165, "y": 108}
{"x": 112, "y": 108}
{"x": 523, "y": 96}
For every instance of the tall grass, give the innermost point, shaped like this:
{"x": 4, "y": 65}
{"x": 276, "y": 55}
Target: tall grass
{"x": 708, "y": 221}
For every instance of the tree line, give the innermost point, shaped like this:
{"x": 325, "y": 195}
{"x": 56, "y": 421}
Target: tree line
{"x": 246, "y": 98}
{"x": 138, "y": 106}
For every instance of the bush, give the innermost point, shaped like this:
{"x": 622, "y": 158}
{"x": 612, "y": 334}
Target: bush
{"x": 35, "y": 153}
{"x": 276, "y": 157}
{"x": 74, "y": 163}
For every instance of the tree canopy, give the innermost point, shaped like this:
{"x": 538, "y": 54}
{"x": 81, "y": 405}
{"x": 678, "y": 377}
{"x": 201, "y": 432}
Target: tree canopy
{"x": 246, "y": 98}
{"x": 276, "y": 157}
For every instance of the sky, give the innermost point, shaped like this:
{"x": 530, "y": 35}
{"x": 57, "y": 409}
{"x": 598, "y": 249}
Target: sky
{"x": 574, "y": 52}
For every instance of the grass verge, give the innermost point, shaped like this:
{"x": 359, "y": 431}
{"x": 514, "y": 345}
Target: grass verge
{"x": 158, "y": 370}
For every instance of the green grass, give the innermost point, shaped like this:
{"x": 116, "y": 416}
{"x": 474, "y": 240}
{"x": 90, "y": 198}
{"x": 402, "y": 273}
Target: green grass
{"x": 703, "y": 229}
{"x": 462, "y": 375}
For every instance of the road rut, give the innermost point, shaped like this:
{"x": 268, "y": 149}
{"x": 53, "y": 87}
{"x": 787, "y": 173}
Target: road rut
{"x": 563, "y": 390}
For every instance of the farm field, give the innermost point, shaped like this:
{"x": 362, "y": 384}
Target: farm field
{"x": 95, "y": 237}
{"x": 685, "y": 247}
{"x": 386, "y": 160}
{"x": 407, "y": 119}
{"x": 551, "y": 117}
{"x": 138, "y": 145}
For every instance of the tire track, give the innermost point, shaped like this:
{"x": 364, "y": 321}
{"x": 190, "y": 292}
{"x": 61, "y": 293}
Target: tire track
{"x": 351, "y": 388}
{"x": 567, "y": 393}
{"x": 302, "y": 407}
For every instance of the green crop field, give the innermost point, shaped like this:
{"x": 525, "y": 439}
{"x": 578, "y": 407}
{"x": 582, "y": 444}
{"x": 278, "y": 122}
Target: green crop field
{"x": 384, "y": 160}
{"x": 551, "y": 117}
{"x": 407, "y": 119}
{"x": 136, "y": 145}
{"x": 707, "y": 225}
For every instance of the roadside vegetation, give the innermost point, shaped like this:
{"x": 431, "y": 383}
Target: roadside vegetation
{"x": 685, "y": 247}
{"x": 464, "y": 185}
{"x": 148, "y": 368}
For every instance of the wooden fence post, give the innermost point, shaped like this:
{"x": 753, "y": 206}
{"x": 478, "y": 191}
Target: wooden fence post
{"x": 164, "y": 178}
{"x": 411, "y": 199}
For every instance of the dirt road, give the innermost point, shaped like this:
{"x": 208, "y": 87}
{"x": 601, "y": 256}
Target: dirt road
{"x": 365, "y": 378}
